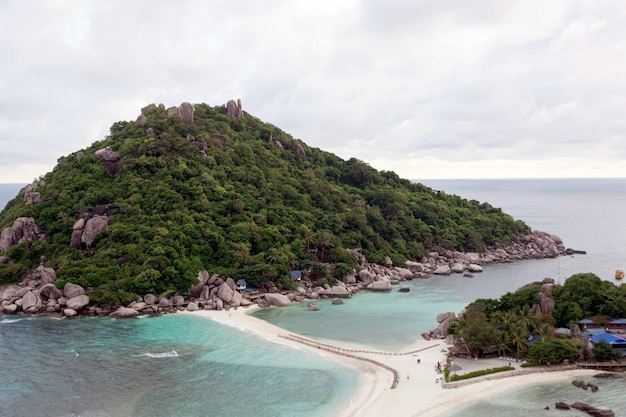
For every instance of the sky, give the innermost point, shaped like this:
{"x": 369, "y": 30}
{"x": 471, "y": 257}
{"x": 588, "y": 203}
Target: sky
{"x": 427, "y": 89}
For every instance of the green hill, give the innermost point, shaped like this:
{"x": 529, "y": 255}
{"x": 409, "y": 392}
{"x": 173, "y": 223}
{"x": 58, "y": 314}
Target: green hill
{"x": 231, "y": 195}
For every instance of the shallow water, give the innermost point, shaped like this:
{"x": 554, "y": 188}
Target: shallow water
{"x": 532, "y": 400}
{"x": 172, "y": 365}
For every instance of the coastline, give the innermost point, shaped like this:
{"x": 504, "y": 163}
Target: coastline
{"x": 417, "y": 392}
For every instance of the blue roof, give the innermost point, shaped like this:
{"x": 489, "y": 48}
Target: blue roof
{"x": 587, "y": 321}
{"x": 241, "y": 282}
{"x": 294, "y": 274}
{"x": 618, "y": 321}
{"x": 611, "y": 339}
{"x": 593, "y": 332}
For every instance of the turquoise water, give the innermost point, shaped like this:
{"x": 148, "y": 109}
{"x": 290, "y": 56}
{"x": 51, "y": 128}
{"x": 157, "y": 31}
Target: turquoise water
{"x": 167, "y": 366}
{"x": 531, "y": 401}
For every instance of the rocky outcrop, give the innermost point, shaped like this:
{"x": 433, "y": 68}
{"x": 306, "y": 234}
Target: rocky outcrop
{"x": 381, "y": 285}
{"x": 36, "y": 295}
{"x": 592, "y": 410}
{"x": 234, "y": 109}
{"x": 278, "y": 300}
{"x": 185, "y": 113}
{"x": 200, "y": 144}
{"x": 110, "y": 159}
{"x": 124, "y": 313}
{"x": 24, "y": 229}
{"x": 584, "y": 385}
{"x": 444, "y": 320}
{"x": 31, "y": 195}
{"x": 300, "y": 151}
{"x": 88, "y": 226}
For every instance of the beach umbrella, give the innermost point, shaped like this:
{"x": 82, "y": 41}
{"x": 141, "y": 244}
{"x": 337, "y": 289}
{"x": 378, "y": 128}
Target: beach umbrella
{"x": 455, "y": 367}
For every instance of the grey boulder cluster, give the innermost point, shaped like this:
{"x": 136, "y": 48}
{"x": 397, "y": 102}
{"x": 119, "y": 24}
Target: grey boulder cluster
{"x": 538, "y": 245}
{"x": 24, "y": 229}
{"x": 38, "y": 294}
{"x": 184, "y": 112}
{"x": 31, "y": 195}
{"x": 589, "y": 409}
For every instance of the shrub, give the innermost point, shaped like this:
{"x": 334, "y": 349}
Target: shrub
{"x": 481, "y": 372}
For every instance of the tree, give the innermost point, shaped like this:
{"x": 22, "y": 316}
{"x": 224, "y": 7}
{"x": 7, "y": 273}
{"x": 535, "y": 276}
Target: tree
{"x": 556, "y": 350}
{"x": 602, "y": 351}
{"x": 475, "y": 331}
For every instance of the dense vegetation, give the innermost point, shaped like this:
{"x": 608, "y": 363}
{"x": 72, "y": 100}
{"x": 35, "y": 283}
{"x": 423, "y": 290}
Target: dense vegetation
{"x": 253, "y": 206}
{"x": 503, "y": 326}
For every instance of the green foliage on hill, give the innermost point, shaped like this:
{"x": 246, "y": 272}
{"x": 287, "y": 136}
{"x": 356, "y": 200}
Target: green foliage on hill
{"x": 252, "y": 207}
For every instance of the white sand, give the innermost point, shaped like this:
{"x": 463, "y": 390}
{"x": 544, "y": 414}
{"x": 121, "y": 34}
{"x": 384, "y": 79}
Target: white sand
{"x": 417, "y": 394}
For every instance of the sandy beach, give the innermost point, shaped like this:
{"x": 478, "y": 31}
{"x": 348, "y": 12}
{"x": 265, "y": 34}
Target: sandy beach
{"x": 419, "y": 391}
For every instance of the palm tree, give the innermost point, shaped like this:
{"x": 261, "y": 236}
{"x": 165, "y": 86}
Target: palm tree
{"x": 519, "y": 338}
{"x": 529, "y": 319}
{"x": 272, "y": 255}
{"x": 323, "y": 239}
{"x": 545, "y": 331}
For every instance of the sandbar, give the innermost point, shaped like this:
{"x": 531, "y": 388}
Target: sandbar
{"x": 418, "y": 390}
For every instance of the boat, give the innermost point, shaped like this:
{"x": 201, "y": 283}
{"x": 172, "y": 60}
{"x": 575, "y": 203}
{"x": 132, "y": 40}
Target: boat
{"x": 619, "y": 273}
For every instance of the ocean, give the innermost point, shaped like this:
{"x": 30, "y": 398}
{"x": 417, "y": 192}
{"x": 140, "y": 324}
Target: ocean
{"x": 185, "y": 366}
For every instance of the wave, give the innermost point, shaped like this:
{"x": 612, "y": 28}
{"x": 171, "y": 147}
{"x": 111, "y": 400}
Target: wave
{"x": 7, "y": 321}
{"x": 170, "y": 354}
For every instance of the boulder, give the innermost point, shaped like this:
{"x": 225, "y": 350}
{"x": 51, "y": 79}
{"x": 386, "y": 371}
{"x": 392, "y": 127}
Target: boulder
{"x": 24, "y": 229}
{"x": 68, "y": 312}
{"x": 382, "y": 285}
{"x": 278, "y": 300}
{"x": 192, "y": 307}
{"x": 592, "y": 410}
{"x": 365, "y": 276}
{"x": 31, "y": 302}
{"x": 50, "y": 292}
{"x": 150, "y": 299}
{"x": 45, "y": 275}
{"x": 178, "y": 300}
{"x": 78, "y": 302}
{"x": 123, "y": 313}
{"x": 107, "y": 154}
{"x": 608, "y": 375}
{"x": 172, "y": 111}
{"x": 225, "y": 292}
{"x": 237, "y": 299}
{"x": 404, "y": 288}
{"x": 414, "y": 266}
{"x": 312, "y": 307}
{"x": 457, "y": 268}
{"x": 93, "y": 227}
{"x": 9, "y": 307}
{"x": 185, "y": 113}
{"x": 234, "y": 109}
{"x": 404, "y": 272}
{"x": 300, "y": 151}
{"x": 72, "y": 290}
{"x": 338, "y": 292}
{"x": 8, "y": 292}
{"x": 546, "y": 303}
{"x": 442, "y": 270}
{"x": 337, "y": 301}
{"x": 474, "y": 268}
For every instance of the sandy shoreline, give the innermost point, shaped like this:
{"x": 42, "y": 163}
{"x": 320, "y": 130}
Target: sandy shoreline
{"x": 416, "y": 394}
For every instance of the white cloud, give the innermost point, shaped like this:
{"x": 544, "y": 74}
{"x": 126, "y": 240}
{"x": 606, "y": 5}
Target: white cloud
{"x": 427, "y": 89}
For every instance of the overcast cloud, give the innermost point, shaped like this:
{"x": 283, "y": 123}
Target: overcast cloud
{"x": 447, "y": 89}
